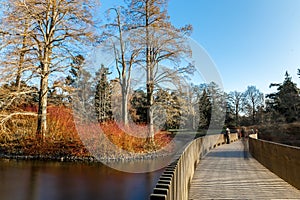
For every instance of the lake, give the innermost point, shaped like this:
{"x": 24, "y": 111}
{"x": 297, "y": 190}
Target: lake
{"x": 39, "y": 180}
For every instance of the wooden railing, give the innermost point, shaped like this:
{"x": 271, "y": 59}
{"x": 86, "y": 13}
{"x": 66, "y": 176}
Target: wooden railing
{"x": 282, "y": 160}
{"x": 175, "y": 181}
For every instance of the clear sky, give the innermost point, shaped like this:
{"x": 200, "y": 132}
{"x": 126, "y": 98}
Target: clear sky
{"x": 252, "y": 42}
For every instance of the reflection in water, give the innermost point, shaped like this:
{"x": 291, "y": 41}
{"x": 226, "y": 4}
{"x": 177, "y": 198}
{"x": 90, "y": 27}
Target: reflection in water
{"x": 33, "y": 180}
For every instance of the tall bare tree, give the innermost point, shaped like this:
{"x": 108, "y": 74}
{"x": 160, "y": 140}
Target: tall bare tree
{"x": 161, "y": 41}
{"x": 125, "y": 53}
{"x": 55, "y": 30}
{"x": 16, "y": 52}
{"x": 15, "y": 66}
{"x": 235, "y": 98}
{"x": 253, "y": 98}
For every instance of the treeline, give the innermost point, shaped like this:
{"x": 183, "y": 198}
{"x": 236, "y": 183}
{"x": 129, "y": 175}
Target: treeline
{"x": 43, "y": 61}
{"x": 253, "y": 108}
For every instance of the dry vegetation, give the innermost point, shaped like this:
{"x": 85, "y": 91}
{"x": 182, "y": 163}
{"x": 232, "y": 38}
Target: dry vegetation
{"x": 18, "y": 138}
{"x": 285, "y": 133}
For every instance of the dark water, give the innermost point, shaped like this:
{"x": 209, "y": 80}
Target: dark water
{"x": 36, "y": 180}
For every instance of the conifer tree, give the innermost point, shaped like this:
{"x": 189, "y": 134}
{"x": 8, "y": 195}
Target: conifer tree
{"x": 138, "y": 108}
{"x": 205, "y": 109}
{"x": 286, "y": 100}
{"x": 103, "y": 96}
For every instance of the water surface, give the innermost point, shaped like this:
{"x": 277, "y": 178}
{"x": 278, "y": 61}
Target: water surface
{"x": 37, "y": 180}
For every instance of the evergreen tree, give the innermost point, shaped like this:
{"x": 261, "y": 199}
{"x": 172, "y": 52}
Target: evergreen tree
{"x": 74, "y": 73}
{"x": 138, "y": 110}
{"x": 230, "y": 119}
{"x": 205, "y": 108}
{"x": 103, "y": 96}
{"x": 177, "y": 112}
{"x": 78, "y": 89}
{"x": 286, "y": 100}
{"x": 164, "y": 101}
{"x": 218, "y": 105}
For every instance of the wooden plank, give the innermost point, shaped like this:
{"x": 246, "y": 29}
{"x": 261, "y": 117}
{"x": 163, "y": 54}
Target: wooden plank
{"x": 230, "y": 172}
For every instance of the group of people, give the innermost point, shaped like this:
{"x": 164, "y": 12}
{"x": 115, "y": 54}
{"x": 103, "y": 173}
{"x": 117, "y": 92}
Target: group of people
{"x": 241, "y": 134}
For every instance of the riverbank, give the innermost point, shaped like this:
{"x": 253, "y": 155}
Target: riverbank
{"x": 87, "y": 142}
{"x": 73, "y": 151}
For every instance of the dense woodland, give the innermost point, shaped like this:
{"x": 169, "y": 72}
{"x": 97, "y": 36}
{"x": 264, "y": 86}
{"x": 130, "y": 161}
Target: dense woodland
{"x": 46, "y": 83}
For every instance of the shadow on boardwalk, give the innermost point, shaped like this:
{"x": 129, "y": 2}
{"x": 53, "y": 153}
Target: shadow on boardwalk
{"x": 230, "y": 172}
{"x": 233, "y": 153}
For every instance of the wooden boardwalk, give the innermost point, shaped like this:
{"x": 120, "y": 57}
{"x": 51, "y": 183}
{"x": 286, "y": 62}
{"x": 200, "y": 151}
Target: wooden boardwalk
{"x": 228, "y": 172}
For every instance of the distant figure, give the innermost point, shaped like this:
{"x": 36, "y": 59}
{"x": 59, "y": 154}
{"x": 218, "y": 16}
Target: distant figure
{"x": 245, "y": 135}
{"x": 238, "y": 133}
{"x": 243, "y": 132}
{"x": 227, "y": 135}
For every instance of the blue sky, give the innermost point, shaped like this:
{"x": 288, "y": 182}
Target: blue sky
{"x": 252, "y": 42}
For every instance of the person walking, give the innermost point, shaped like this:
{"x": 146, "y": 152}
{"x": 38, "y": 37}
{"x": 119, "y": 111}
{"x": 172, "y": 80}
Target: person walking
{"x": 227, "y": 135}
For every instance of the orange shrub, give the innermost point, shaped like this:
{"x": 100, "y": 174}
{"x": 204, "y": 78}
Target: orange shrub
{"x": 134, "y": 138}
{"x": 64, "y": 138}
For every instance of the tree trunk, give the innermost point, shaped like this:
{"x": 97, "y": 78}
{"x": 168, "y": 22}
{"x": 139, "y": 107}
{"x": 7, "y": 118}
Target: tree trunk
{"x": 19, "y": 71}
{"x": 237, "y": 115}
{"x": 150, "y": 112}
{"x": 21, "y": 58}
{"x": 124, "y": 105}
{"x": 253, "y": 113}
{"x": 150, "y": 78}
{"x": 42, "y": 109}
{"x": 150, "y": 101}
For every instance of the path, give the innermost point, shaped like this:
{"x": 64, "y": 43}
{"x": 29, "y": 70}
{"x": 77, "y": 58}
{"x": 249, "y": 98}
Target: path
{"x": 227, "y": 172}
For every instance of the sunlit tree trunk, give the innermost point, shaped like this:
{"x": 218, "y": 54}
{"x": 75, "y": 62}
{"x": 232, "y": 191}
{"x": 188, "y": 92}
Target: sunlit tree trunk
{"x": 150, "y": 78}
{"x": 124, "y": 106}
{"x": 42, "y": 109}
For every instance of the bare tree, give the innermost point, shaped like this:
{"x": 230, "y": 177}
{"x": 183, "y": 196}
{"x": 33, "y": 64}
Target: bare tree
{"x": 235, "y": 98}
{"x": 124, "y": 53}
{"x": 253, "y": 98}
{"x": 55, "y": 30}
{"x": 15, "y": 61}
{"x": 16, "y": 58}
{"x": 161, "y": 41}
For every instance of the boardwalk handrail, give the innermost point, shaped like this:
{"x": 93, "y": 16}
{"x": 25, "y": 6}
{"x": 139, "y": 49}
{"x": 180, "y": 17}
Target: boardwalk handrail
{"x": 282, "y": 160}
{"x": 175, "y": 181}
